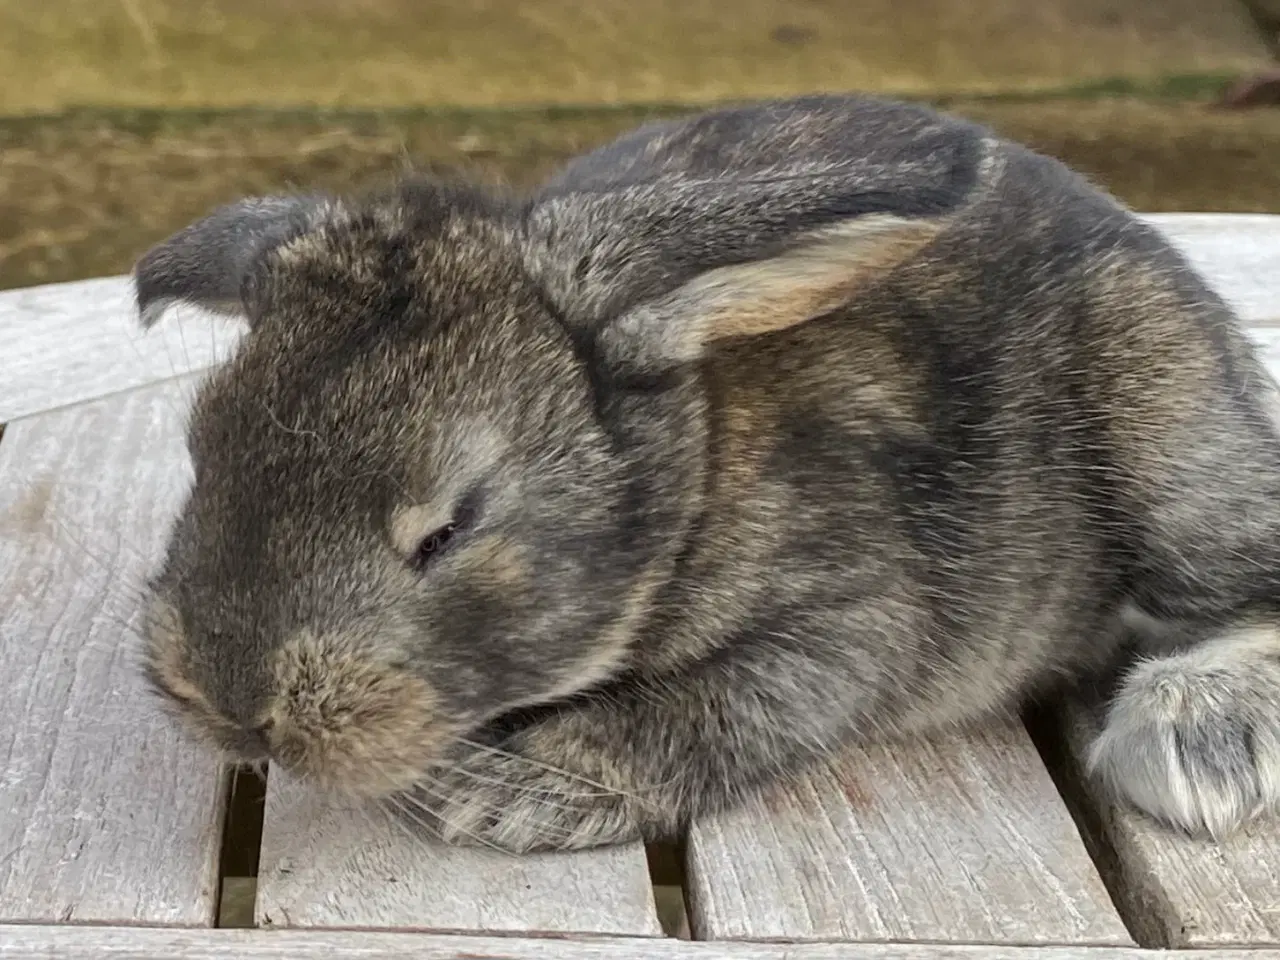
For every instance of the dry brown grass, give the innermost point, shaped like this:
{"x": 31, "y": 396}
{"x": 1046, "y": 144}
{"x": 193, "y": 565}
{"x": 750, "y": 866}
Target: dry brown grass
{"x": 84, "y": 195}
{"x": 385, "y": 53}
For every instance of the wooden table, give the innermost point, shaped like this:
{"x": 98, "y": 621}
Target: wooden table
{"x": 113, "y": 831}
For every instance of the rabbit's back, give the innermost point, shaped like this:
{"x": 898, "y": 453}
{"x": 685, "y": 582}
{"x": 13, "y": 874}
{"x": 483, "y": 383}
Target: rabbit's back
{"x": 904, "y": 155}
{"x": 972, "y": 449}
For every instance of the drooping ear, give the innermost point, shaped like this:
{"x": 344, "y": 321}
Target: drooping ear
{"x": 745, "y": 219}
{"x": 814, "y": 275}
{"x": 205, "y": 264}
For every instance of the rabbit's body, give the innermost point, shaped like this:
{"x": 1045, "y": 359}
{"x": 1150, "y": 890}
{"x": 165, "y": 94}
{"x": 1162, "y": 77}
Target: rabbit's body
{"x": 772, "y": 430}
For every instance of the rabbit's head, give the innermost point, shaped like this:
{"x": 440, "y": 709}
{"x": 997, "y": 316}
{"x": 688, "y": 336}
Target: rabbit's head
{"x": 462, "y": 444}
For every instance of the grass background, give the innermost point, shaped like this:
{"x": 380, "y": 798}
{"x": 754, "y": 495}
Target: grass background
{"x": 122, "y": 120}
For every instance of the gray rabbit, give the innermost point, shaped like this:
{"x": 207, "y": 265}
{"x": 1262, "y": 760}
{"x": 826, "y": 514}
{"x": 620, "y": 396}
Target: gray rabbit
{"x": 567, "y": 517}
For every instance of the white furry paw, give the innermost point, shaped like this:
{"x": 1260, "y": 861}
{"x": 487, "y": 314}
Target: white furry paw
{"x": 1193, "y": 739}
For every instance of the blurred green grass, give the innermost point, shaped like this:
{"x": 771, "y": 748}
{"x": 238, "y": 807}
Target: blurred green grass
{"x": 385, "y": 53}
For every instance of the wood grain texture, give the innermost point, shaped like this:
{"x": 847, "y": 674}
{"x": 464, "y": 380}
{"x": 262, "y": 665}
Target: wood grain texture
{"x": 104, "y": 814}
{"x": 71, "y": 342}
{"x": 44, "y": 943}
{"x": 323, "y": 865}
{"x": 960, "y": 839}
{"x": 1237, "y": 253}
{"x": 1176, "y": 891}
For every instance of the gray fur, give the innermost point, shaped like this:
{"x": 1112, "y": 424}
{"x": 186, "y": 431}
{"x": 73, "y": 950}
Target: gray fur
{"x": 720, "y": 508}
{"x": 208, "y": 263}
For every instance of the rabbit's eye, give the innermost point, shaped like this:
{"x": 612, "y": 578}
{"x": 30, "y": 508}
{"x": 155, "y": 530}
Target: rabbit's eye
{"x": 434, "y": 543}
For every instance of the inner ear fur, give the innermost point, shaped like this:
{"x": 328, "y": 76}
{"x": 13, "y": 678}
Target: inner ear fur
{"x": 822, "y": 271}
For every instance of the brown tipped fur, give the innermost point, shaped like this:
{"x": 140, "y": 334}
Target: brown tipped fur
{"x": 748, "y": 436}
{"x": 350, "y": 722}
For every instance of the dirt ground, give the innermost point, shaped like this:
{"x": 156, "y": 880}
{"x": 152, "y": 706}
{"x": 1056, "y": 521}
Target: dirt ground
{"x": 83, "y": 194}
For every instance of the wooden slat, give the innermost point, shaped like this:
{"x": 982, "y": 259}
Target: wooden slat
{"x": 1238, "y": 253}
{"x": 962, "y": 839}
{"x": 324, "y": 866}
{"x": 105, "y": 815}
{"x": 71, "y": 342}
{"x": 42, "y": 943}
{"x": 1177, "y": 891}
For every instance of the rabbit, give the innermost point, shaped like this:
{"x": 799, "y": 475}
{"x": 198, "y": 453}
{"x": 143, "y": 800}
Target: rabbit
{"x": 560, "y": 518}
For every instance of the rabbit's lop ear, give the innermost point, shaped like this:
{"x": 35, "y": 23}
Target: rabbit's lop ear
{"x": 206, "y": 263}
{"x": 815, "y": 274}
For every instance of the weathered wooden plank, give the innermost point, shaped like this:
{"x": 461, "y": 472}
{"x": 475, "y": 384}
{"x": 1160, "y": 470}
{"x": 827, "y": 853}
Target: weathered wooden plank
{"x": 70, "y": 342}
{"x": 105, "y": 815}
{"x": 1237, "y": 253}
{"x": 1176, "y": 891}
{"x": 959, "y": 839}
{"x": 326, "y": 866}
{"x": 106, "y": 943}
